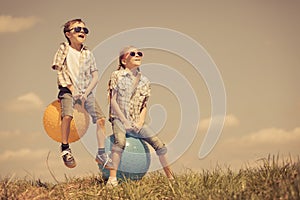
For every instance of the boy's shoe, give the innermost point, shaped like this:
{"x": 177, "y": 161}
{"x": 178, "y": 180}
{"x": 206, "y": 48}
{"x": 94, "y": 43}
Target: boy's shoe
{"x": 112, "y": 182}
{"x": 104, "y": 160}
{"x": 68, "y": 158}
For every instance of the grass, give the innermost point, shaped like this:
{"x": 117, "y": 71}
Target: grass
{"x": 272, "y": 179}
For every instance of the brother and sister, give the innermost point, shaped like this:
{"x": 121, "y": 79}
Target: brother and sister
{"x": 129, "y": 91}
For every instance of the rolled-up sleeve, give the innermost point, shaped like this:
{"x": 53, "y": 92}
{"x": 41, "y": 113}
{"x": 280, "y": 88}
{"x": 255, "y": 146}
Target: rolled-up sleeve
{"x": 63, "y": 78}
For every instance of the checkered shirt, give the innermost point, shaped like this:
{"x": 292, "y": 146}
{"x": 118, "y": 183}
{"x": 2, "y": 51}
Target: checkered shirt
{"x": 87, "y": 65}
{"x": 131, "y": 101}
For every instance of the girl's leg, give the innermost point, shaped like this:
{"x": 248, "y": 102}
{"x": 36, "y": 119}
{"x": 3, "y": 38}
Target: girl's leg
{"x": 166, "y": 167}
{"x": 117, "y": 149}
{"x": 147, "y": 134}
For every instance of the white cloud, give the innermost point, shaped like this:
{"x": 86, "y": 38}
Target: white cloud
{"x": 272, "y": 136}
{"x": 9, "y": 24}
{"x": 26, "y": 102}
{"x": 10, "y": 134}
{"x": 255, "y": 145}
{"x": 230, "y": 121}
{"x": 21, "y": 154}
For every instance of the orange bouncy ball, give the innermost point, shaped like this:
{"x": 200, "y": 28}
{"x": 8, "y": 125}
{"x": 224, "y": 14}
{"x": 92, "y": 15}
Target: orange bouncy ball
{"x": 52, "y": 122}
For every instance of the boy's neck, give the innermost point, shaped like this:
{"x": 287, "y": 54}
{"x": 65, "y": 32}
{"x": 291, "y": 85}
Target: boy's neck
{"x": 78, "y": 47}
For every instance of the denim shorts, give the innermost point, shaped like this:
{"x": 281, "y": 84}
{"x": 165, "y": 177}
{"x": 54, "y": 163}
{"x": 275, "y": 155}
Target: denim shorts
{"x": 146, "y": 134}
{"x": 91, "y": 105}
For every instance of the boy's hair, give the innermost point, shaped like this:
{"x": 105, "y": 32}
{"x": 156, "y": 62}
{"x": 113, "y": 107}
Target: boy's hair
{"x": 122, "y": 53}
{"x": 68, "y": 24}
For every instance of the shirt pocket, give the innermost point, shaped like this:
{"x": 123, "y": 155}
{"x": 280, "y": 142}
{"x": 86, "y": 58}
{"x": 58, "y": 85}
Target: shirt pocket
{"x": 142, "y": 96}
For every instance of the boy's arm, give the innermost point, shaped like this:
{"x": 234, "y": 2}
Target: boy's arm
{"x": 57, "y": 64}
{"x": 92, "y": 85}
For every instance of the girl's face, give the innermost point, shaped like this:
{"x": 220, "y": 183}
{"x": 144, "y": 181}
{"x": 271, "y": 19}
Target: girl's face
{"x": 77, "y": 33}
{"x": 132, "y": 58}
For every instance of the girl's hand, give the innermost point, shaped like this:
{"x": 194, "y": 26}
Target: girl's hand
{"x": 128, "y": 125}
{"x": 137, "y": 127}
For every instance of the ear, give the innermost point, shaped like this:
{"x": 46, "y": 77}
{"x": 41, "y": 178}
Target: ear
{"x": 68, "y": 34}
{"x": 123, "y": 61}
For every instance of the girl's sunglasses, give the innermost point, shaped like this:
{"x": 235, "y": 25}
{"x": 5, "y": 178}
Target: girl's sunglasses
{"x": 132, "y": 54}
{"x": 78, "y": 29}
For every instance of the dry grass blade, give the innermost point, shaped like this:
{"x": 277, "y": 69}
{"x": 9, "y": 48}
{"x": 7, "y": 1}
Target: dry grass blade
{"x": 269, "y": 180}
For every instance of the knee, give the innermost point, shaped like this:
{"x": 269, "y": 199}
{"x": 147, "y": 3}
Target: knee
{"x": 161, "y": 151}
{"x": 67, "y": 118}
{"x": 118, "y": 147}
{"x": 101, "y": 122}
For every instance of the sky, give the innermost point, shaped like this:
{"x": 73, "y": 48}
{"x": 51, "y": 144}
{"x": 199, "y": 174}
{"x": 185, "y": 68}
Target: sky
{"x": 255, "y": 46}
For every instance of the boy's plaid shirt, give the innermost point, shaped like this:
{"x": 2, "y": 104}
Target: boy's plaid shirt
{"x": 87, "y": 65}
{"x": 131, "y": 102}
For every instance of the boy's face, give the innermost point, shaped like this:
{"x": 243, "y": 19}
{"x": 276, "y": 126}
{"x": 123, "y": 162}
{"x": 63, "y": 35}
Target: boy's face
{"x": 133, "y": 58}
{"x": 76, "y": 37}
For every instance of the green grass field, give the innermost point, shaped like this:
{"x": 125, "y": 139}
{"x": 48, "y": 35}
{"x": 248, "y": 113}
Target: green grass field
{"x": 272, "y": 179}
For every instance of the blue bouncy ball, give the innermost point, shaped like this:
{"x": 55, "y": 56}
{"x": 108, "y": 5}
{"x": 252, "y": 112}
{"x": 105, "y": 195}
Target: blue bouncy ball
{"x": 135, "y": 160}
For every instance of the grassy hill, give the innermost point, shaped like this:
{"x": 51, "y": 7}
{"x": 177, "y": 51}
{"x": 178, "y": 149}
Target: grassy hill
{"x": 271, "y": 180}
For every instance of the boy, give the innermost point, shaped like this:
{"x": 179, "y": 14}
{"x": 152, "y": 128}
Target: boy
{"x": 129, "y": 92}
{"x": 77, "y": 76}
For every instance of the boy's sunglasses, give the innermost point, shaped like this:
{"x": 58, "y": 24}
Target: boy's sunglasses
{"x": 78, "y": 29}
{"x": 132, "y": 54}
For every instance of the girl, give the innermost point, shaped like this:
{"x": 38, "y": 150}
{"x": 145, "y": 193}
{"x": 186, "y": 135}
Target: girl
{"x": 129, "y": 92}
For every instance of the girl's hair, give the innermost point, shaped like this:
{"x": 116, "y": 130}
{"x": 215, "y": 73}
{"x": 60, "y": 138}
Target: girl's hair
{"x": 122, "y": 54}
{"x": 68, "y": 24}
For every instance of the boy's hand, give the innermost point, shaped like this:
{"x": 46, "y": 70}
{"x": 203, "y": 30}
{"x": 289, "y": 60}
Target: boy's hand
{"x": 71, "y": 88}
{"x": 83, "y": 97}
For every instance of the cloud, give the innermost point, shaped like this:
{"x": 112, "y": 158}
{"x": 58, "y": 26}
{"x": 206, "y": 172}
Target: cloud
{"x": 10, "y": 134}
{"x": 258, "y": 144}
{"x": 21, "y": 154}
{"x": 230, "y": 121}
{"x": 26, "y": 102}
{"x": 9, "y": 24}
{"x": 272, "y": 137}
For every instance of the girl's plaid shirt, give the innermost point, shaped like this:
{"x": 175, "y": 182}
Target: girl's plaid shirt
{"x": 131, "y": 101}
{"x": 87, "y": 65}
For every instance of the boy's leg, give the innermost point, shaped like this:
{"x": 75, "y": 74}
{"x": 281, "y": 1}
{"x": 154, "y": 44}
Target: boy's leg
{"x": 98, "y": 118}
{"x": 101, "y": 133}
{"x": 102, "y": 157}
{"x": 66, "y": 101}
{"x": 65, "y": 128}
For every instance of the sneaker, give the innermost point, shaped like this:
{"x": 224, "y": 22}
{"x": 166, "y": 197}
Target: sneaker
{"x": 68, "y": 158}
{"x": 104, "y": 160}
{"x": 112, "y": 182}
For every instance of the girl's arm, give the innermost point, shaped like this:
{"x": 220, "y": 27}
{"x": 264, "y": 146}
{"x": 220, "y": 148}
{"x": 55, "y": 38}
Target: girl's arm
{"x": 140, "y": 123}
{"x": 115, "y": 106}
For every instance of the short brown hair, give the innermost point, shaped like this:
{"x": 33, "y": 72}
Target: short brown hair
{"x": 68, "y": 24}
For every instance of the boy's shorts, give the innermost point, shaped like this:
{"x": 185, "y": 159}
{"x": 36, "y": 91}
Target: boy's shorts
{"x": 91, "y": 105}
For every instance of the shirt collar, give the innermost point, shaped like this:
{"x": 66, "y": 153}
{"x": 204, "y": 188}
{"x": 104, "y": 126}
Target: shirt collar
{"x": 127, "y": 72}
{"x": 67, "y": 45}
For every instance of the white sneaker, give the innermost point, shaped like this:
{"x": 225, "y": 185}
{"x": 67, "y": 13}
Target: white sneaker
{"x": 112, "y": 182}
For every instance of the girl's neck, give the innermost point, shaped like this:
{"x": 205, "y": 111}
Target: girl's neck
{"x": 134, "y": 70}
